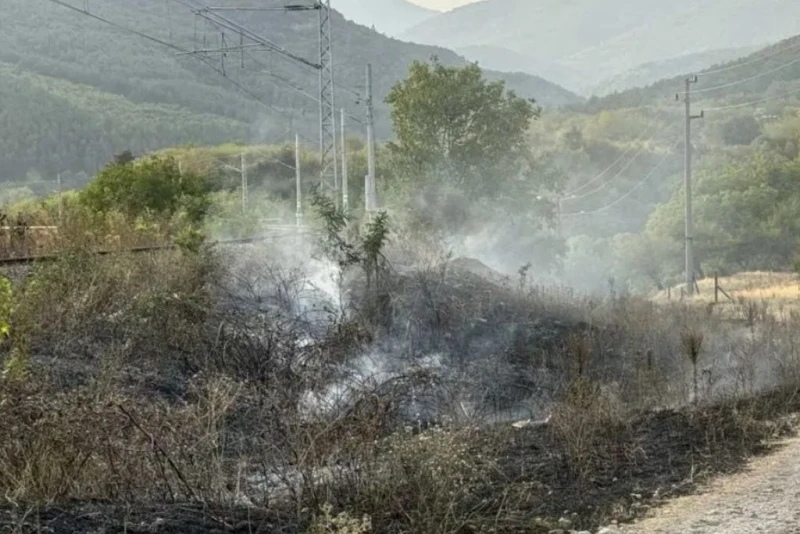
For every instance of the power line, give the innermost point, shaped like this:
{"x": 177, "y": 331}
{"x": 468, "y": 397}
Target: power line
{"x": 749, "y": 79}
{"x": 630, "y": 192}
{"x": 220, "y": 21}
{"x": 297, "y": 88}
{"x": 115, "y": 25}
{"x": 750, "y": 61}
{"x": 181, "y": 50}
{"x": 754, "y": 102}
{"x": 324, "y": 68}
{"x": 572, "y": 196}
{"x": 199, "y": 9}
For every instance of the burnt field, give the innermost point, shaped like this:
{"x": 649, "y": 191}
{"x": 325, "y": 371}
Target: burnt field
{"x": 285, "y": 391}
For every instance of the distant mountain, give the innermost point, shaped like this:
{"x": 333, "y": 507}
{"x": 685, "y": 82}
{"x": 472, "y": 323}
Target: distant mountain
{"x": 146, "y": 96}
{"x": 658, "y": 70}
{"x": 603, "y": 39}
{"x": 390, "y": 17}
{"x": 505, "y": 60}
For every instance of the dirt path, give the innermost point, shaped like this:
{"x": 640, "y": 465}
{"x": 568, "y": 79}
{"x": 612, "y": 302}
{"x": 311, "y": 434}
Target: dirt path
{"x": 765, "y": 498}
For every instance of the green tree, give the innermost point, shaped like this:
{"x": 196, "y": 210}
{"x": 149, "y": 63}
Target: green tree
{"x": 452, "y": 126}
{"x": 747, "y": 213}
{"x": 150, "y": 187}
{"x": 741, "y": 130}
{"x": 645, "y": 261}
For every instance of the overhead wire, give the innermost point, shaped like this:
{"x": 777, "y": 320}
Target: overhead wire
{"x": 295, "y": 87}
{"x": 573, "y": 196}
{"x": 737, "y": 65}
{"x": 748, "y": 79}
{"x": 225, "y": 23}
{"x": 629, "y": 192}
{"x": 172, "y": 46}
{"x": 219, "y": 20}
{"x": 754, "y": 102}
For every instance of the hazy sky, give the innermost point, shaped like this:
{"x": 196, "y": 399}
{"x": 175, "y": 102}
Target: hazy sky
{"x": 442, "y": 4}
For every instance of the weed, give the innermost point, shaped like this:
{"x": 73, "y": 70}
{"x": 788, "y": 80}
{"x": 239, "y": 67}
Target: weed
{"x": 692, "y": 342}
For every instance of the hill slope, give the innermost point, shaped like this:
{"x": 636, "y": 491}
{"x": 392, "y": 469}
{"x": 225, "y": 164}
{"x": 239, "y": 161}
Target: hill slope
{"x": 766, "y": 74}
{"x": 391, "y": 17}
{"x": 50, "y": 125}
{"x": 506, "y": 60}
{"x": 41, "y": 38}
{"x": 602, "y": 39}
{"x": 644, "y": 75}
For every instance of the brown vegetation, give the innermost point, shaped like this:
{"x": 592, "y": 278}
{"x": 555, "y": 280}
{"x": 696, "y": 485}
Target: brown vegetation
{"x": 182, "y": 391}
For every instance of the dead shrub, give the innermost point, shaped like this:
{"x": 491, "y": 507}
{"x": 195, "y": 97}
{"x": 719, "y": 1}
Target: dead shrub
{"x": 135, "y": 451}
{"x": 692, "y": 342}
{"x": 588, "y": 424}
{"x": 428, "y": 483}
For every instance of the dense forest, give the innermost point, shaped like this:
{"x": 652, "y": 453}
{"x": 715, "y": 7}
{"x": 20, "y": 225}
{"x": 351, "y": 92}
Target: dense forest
{"x": 53, "y": 126}
{"x": 108, "y": 90}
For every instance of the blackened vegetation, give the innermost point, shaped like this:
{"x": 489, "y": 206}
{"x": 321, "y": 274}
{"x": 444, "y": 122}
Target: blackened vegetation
{"x": 170, "y": 392}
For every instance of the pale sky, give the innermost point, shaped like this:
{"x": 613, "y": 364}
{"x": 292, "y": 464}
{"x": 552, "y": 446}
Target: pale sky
{"x": 442, "y": 5}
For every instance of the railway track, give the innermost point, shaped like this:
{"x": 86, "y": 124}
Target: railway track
{"x": 279, "y": 233}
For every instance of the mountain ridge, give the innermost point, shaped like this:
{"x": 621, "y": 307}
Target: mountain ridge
{"x": 764, "y": 74}
{"x": 390, "y": 17}
{"x": 600, "y": 41}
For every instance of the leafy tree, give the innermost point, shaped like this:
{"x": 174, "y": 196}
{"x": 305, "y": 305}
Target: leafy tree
{"x": 747, "y": 213}
{"x": 150, "y": 187}
{"x": 462, "y": 164}
{"x": 347, "y": 250}
{"x": 455, "y": 127}
{"x": 741, "y": 130}
{"x": 645, "y": 261}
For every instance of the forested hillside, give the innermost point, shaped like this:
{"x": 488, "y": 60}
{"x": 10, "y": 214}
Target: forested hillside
{"x": 184, "y": 99}
{"x": 766, "y": 74}
{"x": 623, "y": 204}
{"x": 643, "y": 75}
{"x": 50, "y": 125}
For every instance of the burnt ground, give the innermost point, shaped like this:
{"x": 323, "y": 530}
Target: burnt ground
{"x": 658, "y": 456}
{"x": 110, "y": 518}
{"x": 655, "y": 457}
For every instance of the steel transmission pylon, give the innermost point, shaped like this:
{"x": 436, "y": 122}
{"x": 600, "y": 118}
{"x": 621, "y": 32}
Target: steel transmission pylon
{"x": 329, "y": 175}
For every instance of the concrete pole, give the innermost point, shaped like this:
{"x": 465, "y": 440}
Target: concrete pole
{"x": 298, "y": 181}
{"x": 687, "y": 183}
{"x": 60, "y": 200}
{"x": 689, "y": 231}
{"x": 244, "y": 182}
{"x": 345, "y": 195}
{"x": 369, "y": 194}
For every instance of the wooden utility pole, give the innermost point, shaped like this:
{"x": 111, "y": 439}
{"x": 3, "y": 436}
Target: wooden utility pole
{"x": 689, "y": 231}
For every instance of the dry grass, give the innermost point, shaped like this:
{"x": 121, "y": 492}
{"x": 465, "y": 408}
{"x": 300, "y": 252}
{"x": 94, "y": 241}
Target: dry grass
{"x": 174, "y": 378}
{"x": 778, "y": 293}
